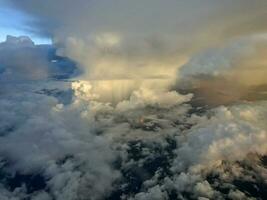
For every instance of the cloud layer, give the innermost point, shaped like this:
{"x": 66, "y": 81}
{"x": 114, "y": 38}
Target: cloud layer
{"x": 154, "y": 145}
{"x": 122, "y": 130}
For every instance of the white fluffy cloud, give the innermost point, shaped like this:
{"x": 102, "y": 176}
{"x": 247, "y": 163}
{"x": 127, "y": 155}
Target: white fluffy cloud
{"x": 43, "y": 132}
{"x": 76, "y": 146}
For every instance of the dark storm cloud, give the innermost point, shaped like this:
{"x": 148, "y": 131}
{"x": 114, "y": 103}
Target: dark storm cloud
{"x": 140, "y": 39}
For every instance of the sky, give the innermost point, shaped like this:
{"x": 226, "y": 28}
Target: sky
{"x": 12, "y": 22}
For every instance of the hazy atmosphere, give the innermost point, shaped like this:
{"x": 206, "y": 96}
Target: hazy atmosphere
{"x": 133, "y": 100}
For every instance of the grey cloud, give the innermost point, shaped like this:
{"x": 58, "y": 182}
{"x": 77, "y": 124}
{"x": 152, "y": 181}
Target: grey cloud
{"x": 138, "y": 38}
{"x": 21, "y": 59}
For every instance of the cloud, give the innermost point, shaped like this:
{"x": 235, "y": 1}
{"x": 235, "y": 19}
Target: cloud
{"x": 153, "y": 193}
{"x": 140, "y": 40}
{"x": 124, "y": 133}
{"x": 21, "y": 59}
{"x": 144, "y": 147}
{"x": 228, "y": 74}
{"x": 144, "y": 97}
{"x": 213, "y": 142}
{"x": 230, "y": 135}
{"x": 38, "y": 137}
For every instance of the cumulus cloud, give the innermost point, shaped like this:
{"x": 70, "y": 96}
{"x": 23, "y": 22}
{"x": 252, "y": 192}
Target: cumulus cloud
{"x": 22, "y": 60}
{"x": 40, "y": 135}
{"x": 214, "y": 142}
{"x": 74, "y": 147}
{"x": 142, "y": 39}
{"x": 230, "y": 134}
{"x": 142, "y": 148}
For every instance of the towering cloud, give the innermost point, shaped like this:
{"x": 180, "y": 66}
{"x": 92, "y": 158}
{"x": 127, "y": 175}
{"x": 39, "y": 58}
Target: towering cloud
{"x": 233, "y": 72}
{"x": 140, "y": 40}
